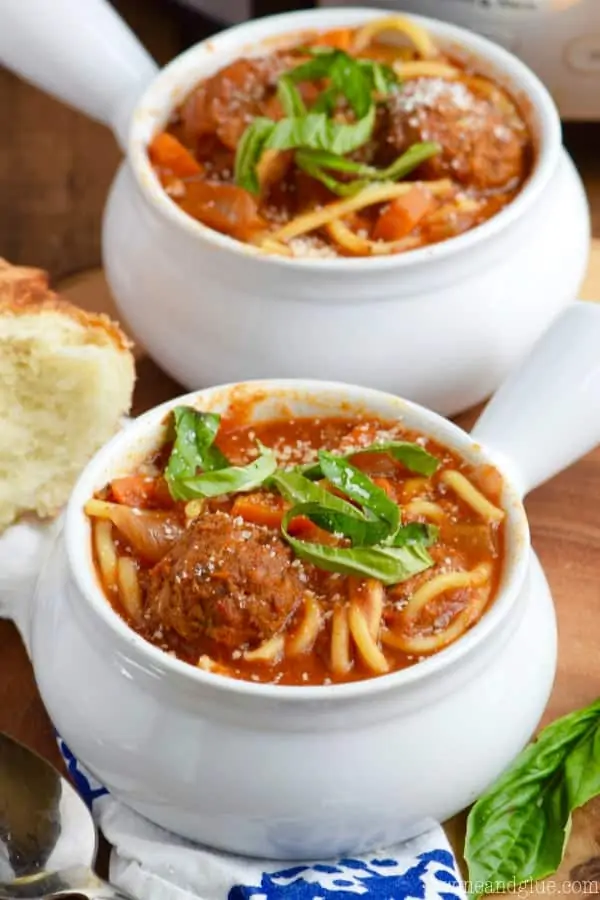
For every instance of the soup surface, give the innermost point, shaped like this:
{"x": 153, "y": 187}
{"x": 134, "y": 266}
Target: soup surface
{"x": 306, "y": 552}
{"x": 353, "y": 142}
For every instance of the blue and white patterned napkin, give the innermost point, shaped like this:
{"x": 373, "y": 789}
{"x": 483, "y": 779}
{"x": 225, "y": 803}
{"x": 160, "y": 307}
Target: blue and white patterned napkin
{"x": 153, "y": 864}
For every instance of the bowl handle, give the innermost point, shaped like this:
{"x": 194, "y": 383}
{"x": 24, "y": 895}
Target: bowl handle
{"x": 81, "y": 52}
{"x": 24, "y": 547}
{"x": 547, "y": 413}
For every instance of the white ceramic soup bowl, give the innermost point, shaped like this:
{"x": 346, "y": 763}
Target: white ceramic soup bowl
{"x": 304, "y": 772}
{"x": 212, "y": 310}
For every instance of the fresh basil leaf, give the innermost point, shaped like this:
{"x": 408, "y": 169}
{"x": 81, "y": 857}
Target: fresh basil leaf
{"x": 323, "y": 59}
{"x": 347, "y": 77}
{"x": 517, "y": 831}
{"x": 289, "y": 97}
{"x": 231, "y": 480}
{"x": 316, "y": 131}
{"x": 359, "y": 487}
{"x": 341, "y": 188}
{"x": 337, "y": 163}
{"x": 193, "y": 449}
{"x": 390, "y": 565}
{"x": 383, "y": 77}
{"x": 326, "y": 101}
{"x": 411, "y": 159}
{"x": 296, "y": 489}
{"x": 354, "y": 79}
{"x": 315, "y": 161}
{"x": 360, "y": 531}
{"x": 415, "y": 533}
{"x": 413, "y": 456}
{"x": 248, "y": 153}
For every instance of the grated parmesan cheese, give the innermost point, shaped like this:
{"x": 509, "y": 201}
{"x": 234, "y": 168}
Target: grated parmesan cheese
{"x": 311, "y": 247}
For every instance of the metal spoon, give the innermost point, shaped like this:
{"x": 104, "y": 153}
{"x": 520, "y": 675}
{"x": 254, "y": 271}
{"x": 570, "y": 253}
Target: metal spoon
{"x": 48, "y": 841}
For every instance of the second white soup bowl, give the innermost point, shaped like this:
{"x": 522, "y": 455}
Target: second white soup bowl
{"x": 303, "y": 772}
{"x": 442, "y": 325}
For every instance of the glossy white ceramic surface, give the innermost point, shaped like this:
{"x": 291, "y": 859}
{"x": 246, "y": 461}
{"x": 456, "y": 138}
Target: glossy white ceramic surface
{"x": 299, "y": 772}
{"x": 442, "y": 326}
{"x": 261, "y": 774}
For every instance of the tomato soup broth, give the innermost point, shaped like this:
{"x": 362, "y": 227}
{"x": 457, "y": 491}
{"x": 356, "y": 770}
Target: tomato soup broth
{"x": 305, "y": 551}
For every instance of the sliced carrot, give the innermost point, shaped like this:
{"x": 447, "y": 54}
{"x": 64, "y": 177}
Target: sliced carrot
{"x": 166, "y": 151}
{"x": 134, "y": 490}
{"x": 340, "y": 38}
{"x": 224, "y": 207}
{"x": 402, "y": 214}
{"x": 259, "y": 510}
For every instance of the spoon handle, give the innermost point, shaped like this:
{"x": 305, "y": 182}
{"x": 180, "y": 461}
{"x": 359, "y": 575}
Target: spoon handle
{"x": 96, "y": 890}
{"x": 78, "y": 881}
{"x": 89, "y": 886}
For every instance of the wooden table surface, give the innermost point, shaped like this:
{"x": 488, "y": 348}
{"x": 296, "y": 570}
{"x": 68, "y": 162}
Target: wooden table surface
{"x": 55, "y": 168}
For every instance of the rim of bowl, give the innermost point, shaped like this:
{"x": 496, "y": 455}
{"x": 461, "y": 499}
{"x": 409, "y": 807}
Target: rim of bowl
{"x": 152, "y": 658}
{"x": 148, "y": 115}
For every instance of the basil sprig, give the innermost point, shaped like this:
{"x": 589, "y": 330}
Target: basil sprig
{"x": 381, "y": 548}
{"x": 357, "y": 80}
{"x": 355, "y": 527}
{"x": 231, "y": 480}
{"x": 390, "y": 565}
{"x": 354, "y": 79}
{"x": 316, "y": 163}
{"x": 359, "y": 487}
{"x": 517, "y": 831}
{"x": 314, "y": 131}
{"x": 193, "y": 447}
{"x": 296, "y": 488}
{"x": 290, "y": 98}
{"x": 413, "y": 456}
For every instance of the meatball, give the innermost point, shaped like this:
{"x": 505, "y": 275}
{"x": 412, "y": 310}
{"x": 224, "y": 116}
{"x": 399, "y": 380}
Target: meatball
{"x": 226, "y": 580}
{"x": 226, "y": 102}
{"x": 481, "y": 147}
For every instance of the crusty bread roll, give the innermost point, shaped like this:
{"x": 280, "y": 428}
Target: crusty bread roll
{"x": 66, "y": 380}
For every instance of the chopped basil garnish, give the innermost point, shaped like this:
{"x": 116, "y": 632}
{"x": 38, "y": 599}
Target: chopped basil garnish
{"x": 295, "y": 488}
{"x": 249, "y": 151}
{"x": 193, "y": 447}
{"x": 356, "y": 528}
{"x": 381, "y": 546}
{"x": 289, "y": 97}
{"x": 351, "y": 78}
{"x": 231, "y": 480}
{"x": 359, "y": 487}
{"x": 316, "y": 163}
{"x": 359, "y": 82}
{"x": 314, "y": 130}
{"x": 415, "y": 533}
{"x": 413, "y": 456}
{"x": 369, "y": 519}
{"x": 390, "y": 565}
{"x": 409, "y": 160}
